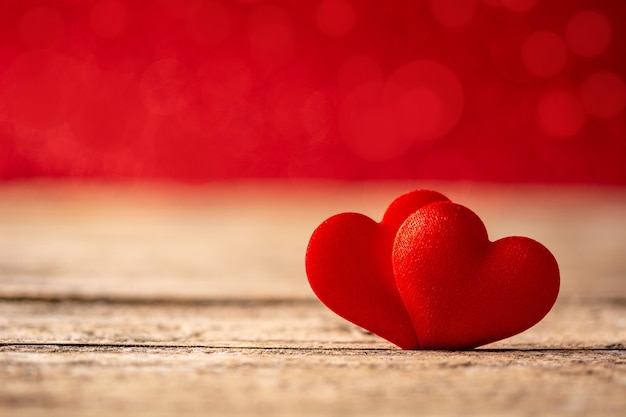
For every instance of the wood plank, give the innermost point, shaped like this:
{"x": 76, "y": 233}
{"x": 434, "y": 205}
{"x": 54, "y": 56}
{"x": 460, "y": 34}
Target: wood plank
{"x": 234, "y": 240}
{"x": 158, "y": 300}
{"x": 296, "y": 358}
{"x": 92, "y": 380}
{"x": 573, "y": 323}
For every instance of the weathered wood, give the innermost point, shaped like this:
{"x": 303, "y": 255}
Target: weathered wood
{"x": 572, "y": 324}
{"x": 104, "y": 380}
{"x": 249, "y": 239}
{"x": 144, "y": 301}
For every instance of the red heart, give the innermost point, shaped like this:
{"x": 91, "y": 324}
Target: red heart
{"x": 460, "y": 289}
{"x": 348, "y": 263}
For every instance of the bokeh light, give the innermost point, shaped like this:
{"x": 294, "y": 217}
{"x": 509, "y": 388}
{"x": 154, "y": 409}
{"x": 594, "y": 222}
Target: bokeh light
{"x": 335, "y": 17}
{"x": 270, "y": 35}
{"x": 427, "y": 97}
{"x": 588, "y": 33}
{"x": 477, "y": 90}
{"x": 604, "y": 94}
{"x": 210, "y": 24}
{"x": 561, "y": 114}
{"x": 453, "y": 13}
{"x": 163, "y": 86}
{"x": 544, "y": 54}
{"x": 38, "y": 85}
{"x": 369, "y": 127}
{"x": 109, "y": 18}
{"x": 519, "y": 6}
{"x": 40, "y": 27}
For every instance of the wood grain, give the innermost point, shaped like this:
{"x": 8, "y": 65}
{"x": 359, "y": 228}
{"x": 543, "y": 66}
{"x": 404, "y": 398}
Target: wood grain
{"x": 167, "y": 300}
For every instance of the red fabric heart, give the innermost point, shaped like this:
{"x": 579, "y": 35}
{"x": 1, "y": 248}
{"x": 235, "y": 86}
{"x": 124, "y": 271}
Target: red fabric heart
{"x": 461, "y": 290}
{"x": 348, "y": 264}
{"x": 427, "y": 276}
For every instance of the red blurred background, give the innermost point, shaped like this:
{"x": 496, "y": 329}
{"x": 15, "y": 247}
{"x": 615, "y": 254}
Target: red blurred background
{"x": 192, "y": 90}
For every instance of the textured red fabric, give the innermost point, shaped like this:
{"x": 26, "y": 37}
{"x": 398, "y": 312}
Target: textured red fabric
{"x": 427, "y": 276}
{"x": 463, "y": 291}
{"x": 348, "y": 263}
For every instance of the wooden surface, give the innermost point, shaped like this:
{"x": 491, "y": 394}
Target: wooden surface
{"x": 161, "y": 300}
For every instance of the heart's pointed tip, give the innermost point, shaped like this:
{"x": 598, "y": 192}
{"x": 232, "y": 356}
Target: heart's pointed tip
{"x": 408, "y": 343}
{"x": 410, "y": 348}
{"x": 442, "y": 348}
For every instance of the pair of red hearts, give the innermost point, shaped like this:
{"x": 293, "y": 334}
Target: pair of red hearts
{"x": 427, "y": 276}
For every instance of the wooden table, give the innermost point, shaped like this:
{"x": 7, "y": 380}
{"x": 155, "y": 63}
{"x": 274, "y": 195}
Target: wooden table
{"x": 151, "y": 300}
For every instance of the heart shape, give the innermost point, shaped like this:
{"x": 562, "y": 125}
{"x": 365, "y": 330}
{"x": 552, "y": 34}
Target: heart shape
{"x": 427, "y": 276}
{"x": 461, "y": 290}
{"x": 348, "y": 264}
